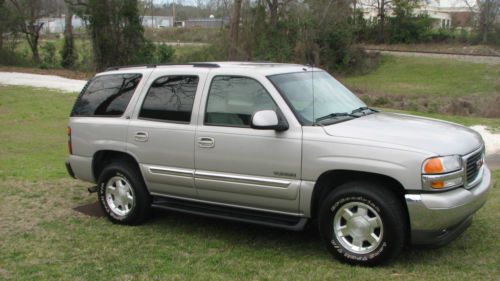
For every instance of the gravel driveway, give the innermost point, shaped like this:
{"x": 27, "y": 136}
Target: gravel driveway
{"x": 41, "y": 81}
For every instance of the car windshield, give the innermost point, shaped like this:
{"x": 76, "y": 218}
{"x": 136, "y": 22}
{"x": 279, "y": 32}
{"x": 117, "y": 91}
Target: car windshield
{"x": 330, "y": 97}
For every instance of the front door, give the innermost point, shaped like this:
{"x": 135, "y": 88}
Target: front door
{"x": 238, "y": 165}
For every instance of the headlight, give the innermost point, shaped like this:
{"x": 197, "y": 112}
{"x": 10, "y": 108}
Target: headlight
{"x": 441, "y": 165}
{"x": 441, "y": 173}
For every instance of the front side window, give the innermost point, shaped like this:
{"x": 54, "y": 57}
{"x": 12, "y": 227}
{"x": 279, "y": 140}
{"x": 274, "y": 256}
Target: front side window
{"x": 330, "y": 97}
{"x": 106, "y": 95}
{"x": 232, "y": 100}
{"x": 170, "y": 98}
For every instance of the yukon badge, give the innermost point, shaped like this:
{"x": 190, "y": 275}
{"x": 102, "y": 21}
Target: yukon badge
{"x": 285, "y": 174}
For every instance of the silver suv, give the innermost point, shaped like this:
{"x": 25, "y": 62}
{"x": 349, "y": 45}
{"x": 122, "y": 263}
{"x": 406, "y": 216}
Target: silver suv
{"x": 278, "y": 145}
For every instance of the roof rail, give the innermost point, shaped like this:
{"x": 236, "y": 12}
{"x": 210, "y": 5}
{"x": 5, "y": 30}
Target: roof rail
{"x": 127, "y": 66}
{"x": 205, "y": 64}
{"x": 194, "y": 64}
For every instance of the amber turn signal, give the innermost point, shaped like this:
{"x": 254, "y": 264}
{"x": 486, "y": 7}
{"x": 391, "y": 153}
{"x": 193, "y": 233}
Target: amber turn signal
{"x": 433, "y": 166}
{"x": 437, "y": 184}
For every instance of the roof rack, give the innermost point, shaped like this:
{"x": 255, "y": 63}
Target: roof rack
{"x": 194, "y": 64}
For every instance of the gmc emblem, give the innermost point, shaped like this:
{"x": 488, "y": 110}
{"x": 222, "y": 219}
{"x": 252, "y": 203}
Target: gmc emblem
{"x": 479, "y": 163}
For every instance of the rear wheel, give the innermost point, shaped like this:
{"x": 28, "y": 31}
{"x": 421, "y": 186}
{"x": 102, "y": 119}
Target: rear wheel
{"x": 363, "y": 223}
{"x": 123, "y": 195}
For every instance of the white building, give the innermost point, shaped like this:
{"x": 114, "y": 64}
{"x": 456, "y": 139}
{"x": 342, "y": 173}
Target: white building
{"x": 157, "y": 21}
{"x": 442, "y": 16}
{"x": 56, "y": 24}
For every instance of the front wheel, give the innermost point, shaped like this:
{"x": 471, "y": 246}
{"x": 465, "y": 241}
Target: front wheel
{"x": 363, "y": 223}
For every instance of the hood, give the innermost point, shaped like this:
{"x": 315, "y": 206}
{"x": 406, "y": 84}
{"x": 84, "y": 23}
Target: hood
{"x": 415, "y": 133}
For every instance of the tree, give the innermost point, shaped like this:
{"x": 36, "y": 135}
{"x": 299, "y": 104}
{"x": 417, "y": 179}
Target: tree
{"x": 234, "y": 30}
{"x": 68, "y": 55}
{"x": 116, "y": 32}
{"x": 382, "y": 7}
{"x": 4, "y": 21}
{"x": 488, "y": 13}
{"x": 28, "y": 13}
{"x": 273, "y": 11}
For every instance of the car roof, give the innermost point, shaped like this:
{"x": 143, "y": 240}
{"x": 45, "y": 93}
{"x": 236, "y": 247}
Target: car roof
{"x": 264, "y": 68}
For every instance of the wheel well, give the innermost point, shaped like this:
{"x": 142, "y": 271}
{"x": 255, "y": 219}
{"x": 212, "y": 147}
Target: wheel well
{"x": 104, "y": 157}
{"x": 330, "y": 180}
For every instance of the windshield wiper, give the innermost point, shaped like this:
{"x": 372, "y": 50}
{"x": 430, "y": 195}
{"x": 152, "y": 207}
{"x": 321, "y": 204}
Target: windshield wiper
{"x": 363, "y": 110}
{"x": 335, "y": 115}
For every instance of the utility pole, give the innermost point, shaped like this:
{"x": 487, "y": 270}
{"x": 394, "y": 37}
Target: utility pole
{"x": 173, "y": 13}
{"x": 152, "y": 13}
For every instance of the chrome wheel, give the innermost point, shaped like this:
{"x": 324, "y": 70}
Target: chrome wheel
{"x": 119, "y": 196}
{"x": 358, "y": 227}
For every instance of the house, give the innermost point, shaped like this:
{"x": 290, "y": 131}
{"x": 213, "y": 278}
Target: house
{"x": 444, "y": 17}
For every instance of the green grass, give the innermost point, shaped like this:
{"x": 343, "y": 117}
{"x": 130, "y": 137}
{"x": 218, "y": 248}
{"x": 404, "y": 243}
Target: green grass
{"x": 417, "y": 76}
{"x": 43, "y": 238}
{"x": 32, "y": 129}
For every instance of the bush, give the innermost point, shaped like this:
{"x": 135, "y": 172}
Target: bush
{"x": 164, "y": 53}
{"x": 68, "y": 54}
{"x": 404, "y": 28}
{"x": 9, "y": 57}
{"x": 49, "y": 54}
{"x": 209, "y": 53}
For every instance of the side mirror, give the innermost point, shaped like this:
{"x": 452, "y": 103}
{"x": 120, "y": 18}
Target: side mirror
{"x": 268, "y": 120}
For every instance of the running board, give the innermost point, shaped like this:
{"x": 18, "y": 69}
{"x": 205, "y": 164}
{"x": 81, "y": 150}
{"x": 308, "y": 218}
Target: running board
{"x": 231, "y": 213}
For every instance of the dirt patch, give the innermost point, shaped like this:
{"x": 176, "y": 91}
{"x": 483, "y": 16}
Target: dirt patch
{"x": 92, "y": 209}
{"x": 459, "y": 49}
{"x": 72, "y": 74}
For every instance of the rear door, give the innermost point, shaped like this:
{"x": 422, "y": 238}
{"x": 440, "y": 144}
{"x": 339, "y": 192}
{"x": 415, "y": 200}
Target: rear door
{"x": 162, "y": 131}
{"x": 238, "y": 165}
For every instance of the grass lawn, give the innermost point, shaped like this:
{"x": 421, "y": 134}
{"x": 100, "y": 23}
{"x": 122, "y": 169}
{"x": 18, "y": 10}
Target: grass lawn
{"x": 43, "y": 238}
{"x": 419, "y": 76}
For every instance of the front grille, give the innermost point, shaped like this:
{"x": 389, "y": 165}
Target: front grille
{"x": 472, "y": 169}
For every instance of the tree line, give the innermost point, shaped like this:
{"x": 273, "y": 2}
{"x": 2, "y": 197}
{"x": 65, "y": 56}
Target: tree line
{"x": 319, "y": 32}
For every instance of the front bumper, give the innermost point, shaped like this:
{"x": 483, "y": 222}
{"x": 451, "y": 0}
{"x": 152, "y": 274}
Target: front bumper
{"x": 438, "y": 218}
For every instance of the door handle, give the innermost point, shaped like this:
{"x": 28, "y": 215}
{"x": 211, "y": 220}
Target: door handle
{"x": 206, "y": 142}
{"x": 141, "y": 136}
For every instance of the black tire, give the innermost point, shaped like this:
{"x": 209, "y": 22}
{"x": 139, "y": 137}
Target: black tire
{"x": 382, "y": 206}
{"x": 140, "y": 209}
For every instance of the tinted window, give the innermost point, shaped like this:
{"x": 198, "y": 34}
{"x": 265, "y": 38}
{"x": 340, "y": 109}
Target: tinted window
{"x": 106, "y": 95}
{"x": 170, "y": 98}
{"x": 233, "y": 100}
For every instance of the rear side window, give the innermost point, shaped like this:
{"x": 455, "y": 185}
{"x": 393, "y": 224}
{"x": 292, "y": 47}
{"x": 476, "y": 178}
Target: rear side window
{"x": 106, "y": 95}
{"x": 170, "y": 98}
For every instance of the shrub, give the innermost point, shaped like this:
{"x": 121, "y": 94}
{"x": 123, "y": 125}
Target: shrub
{"x": 49, "y": 54}
{"x": 164, "y": 53}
